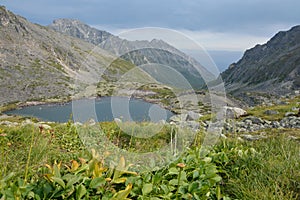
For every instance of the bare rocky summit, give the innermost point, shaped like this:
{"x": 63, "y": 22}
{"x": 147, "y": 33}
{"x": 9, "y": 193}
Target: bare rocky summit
{"x": 80, "y": 30}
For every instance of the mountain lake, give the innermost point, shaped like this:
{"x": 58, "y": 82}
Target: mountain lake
{"x": 99, "y": 109}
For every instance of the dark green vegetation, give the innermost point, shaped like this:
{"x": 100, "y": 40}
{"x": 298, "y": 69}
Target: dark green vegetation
{"x": 53, "y": 164}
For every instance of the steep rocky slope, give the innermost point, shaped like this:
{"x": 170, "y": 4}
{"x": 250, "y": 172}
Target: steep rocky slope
{"x": 77, "y": 29}
{"x": 272, "y": 68}
{"x": 138, "y": 52}
{"x": 39, "y": 63}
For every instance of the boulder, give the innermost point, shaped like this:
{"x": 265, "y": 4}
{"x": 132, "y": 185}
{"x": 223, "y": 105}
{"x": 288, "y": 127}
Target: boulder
{"x": 279, "y": 102}
{"x": 9, "y": 124}
{"x": 193, "y": 125}
{"x": 27, "y": 122}
{"x": 192, "y": 116}
{"x": 77, "y": 124}
{"x": 117, "y": 120}
{"x": 290, "y": 122}
{"x": 252, "y": 137}
{"x": 91, "y": 122}
{"x": 4, "y": 116}
{"x": 254, "y": 120}
{"x": 288, "y": 114}
{"x": 179, "y": 118}
{"x": 271, "y": 112}
{"x": 275, "y": 124}
{"x": 234, "y": 112}
{"x": 44, "y": 126}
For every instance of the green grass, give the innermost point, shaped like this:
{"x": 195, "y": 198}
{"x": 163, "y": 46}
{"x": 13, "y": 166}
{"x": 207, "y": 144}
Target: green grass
{"x": 207, "y": 117}
{"x": 161, "y": 92}
{"x": 232, "y": 169}
{"x": 7, "y": 107}
{"x": 48, "y": 145}
{"x": 259, "y": 111}
{"x": 129, "y": 136}
{"x": 116, "y": 69}
{"x": 264, "y": 169}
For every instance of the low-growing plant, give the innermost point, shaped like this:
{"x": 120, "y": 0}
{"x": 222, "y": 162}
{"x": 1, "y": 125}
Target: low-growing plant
{"x": 54, "y": 164}
{"x": 190, "y": 177}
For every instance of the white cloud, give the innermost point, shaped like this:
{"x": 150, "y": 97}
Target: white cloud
{"x": 225, "y": 41}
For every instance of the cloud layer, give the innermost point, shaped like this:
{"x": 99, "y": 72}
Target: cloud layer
{"x": 219, "y": 25}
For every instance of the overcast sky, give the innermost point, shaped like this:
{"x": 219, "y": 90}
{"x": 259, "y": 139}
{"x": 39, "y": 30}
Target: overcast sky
{"x": 218, "y": 25}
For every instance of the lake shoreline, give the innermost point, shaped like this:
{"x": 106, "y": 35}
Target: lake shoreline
{"x": 20, "y": 105}
{"x": 13, "y": 109}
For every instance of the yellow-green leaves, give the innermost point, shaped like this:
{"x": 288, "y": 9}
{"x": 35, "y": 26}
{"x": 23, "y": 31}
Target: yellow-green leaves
{"x": 59, "y": 181}
{"x": 80, "y": 191}
{"x": 120, "y": 170}
{"x": 147, "y": 188}
{"x": 97, "y": 182}
{"x": 122, "y": 195}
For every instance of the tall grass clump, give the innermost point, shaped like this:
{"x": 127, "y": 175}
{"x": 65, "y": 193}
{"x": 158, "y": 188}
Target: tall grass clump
{"x": 264, "y": 169}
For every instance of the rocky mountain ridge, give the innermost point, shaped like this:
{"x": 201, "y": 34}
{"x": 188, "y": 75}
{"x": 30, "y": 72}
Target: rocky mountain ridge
{"x": 79, "y": 30}
{"x": 272, "y": 68}
{"x": 39, "y": 63}
{"x": 138, "y": 52}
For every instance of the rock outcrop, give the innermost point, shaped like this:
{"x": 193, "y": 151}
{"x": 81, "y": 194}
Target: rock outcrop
{"x": 269, "y": 69}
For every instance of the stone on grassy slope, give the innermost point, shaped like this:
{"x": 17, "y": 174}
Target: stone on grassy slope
{"x": 271, "y": 112}
{"x": 234, "y": 112}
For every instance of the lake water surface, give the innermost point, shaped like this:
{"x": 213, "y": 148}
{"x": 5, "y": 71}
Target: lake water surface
{"x": 103, "y": 109}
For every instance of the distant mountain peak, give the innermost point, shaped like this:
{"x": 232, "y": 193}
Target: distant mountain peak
{"x": 7, "y": 17}
{"x": 4, "y": 17}
{"x": 273, "y": 67}
{"x": 66, "y": 20}
{"x": 139, "y": 52}
{"x": 76, "y": 28}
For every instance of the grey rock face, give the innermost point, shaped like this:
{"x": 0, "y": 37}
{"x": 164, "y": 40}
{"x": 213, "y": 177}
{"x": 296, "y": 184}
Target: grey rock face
{"x": 269, "y": 68}
{"x": 80, "y": 30}
{"x": 37, "y": 62}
